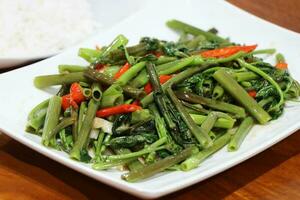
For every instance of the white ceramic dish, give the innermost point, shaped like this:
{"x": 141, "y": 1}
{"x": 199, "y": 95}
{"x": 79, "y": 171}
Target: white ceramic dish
{"x": 18, "y": 94}
{"x": 104, "y": 12}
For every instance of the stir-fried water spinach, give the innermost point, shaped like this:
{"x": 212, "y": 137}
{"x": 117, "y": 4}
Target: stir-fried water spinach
{"x": 160, "y": 104}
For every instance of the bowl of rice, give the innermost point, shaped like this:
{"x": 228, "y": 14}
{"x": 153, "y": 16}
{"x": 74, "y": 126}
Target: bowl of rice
{"x": 32, "y": 30}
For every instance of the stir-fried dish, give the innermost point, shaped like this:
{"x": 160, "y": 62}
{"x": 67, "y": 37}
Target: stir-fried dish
{"x": 161, "y": 105}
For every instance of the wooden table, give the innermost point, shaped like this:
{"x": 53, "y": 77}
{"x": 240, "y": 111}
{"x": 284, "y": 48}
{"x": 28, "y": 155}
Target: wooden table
{"x": 273, "y": 174}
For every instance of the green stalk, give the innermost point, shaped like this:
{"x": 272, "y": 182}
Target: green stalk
{"x": 218, "y": 92}
{"x": 58, "y": 79}
{"x": 74, "y": 116}
{"x": 130, "y": 73}
{"x": 245, "y": 76}
{"x": 159, "y": 122}
{"x": 160, "y": 98}
{"x": 96, "y": 92}
{"x": 106, "y": 140}
{"x": 209, "y": 123}
{"x": 87, "y": 92}
{"x": 108, "y": 81}
{"x": 263, "y": 51}
{"x": 70, "y": 68}
{"x": 239, "y": 136}
{"x": 237, "y": 92}
{"x": 172, "y": 67}
{"x": 119, "y": 41}
{"x": 136, "y": 50}
{"x": 51, "y": 120}
{"x": 220, "y": 123}
{"x": 164, "y": 59}
{"x": 157, "y": 167}
{"x": 107, "y": 165}
{"x": 195, "y": 108}
{"x": 111, "y": 71}
{"x": 263, "y": 102}
{"x": 82, "y": 112}
{"x": 215, "y": 104}
{"x": 280, "y": 58}
{"x": 268, "y": 78}
{"x": 112, "y": 96}
{"x": 135, "y": 164}
{"x": 140, "y": 80}
{"x": 65, "y": 122}
{"x": 85, "y": 130}
{"x": 194, "y": 43}
{"x": 153, "y": 147}
{"x": 200, "y": 134}
{"x": 183, "y": 27}
{"x": 132, "y": 163}
{"x": 63, "y": 90}
{"x": 90, "y": 55}
{"x": 98, "y": 146}
{"x": 36, "y": 117}
{"x": 246, "y": 84}
{"x": 194, "y": 161}
{"x": 212, "y": 135}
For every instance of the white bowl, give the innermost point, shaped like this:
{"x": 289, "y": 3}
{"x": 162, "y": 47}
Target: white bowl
{"x": 105, "y": 12}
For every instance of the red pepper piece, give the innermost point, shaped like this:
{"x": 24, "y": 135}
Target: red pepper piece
{"x": 158, "y": 54}
{"x": 136, "y": 102}
{"x": 67, "y": 101}
{"x": 122, "y": 70}
{"x": 252, "y": 93}
{"x": 120, "y": 109}
{"x": 99, "y": 66}
{"x": 282, "y": 65}
{"x": 76, "y": 93}
{"x": 162, "y": 80}
{"x": 227, "y": 51}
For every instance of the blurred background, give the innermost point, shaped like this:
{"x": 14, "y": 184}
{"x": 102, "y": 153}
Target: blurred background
{"x": 36, "y": 29}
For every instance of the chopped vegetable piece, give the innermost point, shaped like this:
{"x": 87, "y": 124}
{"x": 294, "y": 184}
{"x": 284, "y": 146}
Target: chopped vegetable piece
{"x": 96, "y": 92}
{"x": 157, "y": 166}
{"x": 162, "y": 80}
{"x": 67, "y": 101}
{"x": 122, "y": 70}
{"x": 79, "y": 148}
{"x": 227, "y": 51}
{"x": 120, "y": 109}
{"x": 106, "y": 80}
{"x": 36, "y": 117}
{"x": 136, "y": 102}
{"x": 183, "y": 27}
{"x": 281, "y": 64}
{"x": 105, "y": 125}
{"x": 52, "y": 119}
{"x": 76, "y": 93}
{"x": 252, "y": 93}
{"x": 193, "y": 161}
{"x": 58, "y": 79}
{"x": 239, "y": 136}
{"x": 242, "y": 96}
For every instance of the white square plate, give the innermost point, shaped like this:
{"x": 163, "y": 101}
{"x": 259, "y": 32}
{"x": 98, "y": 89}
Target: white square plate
{"x": 18, "y": 94}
